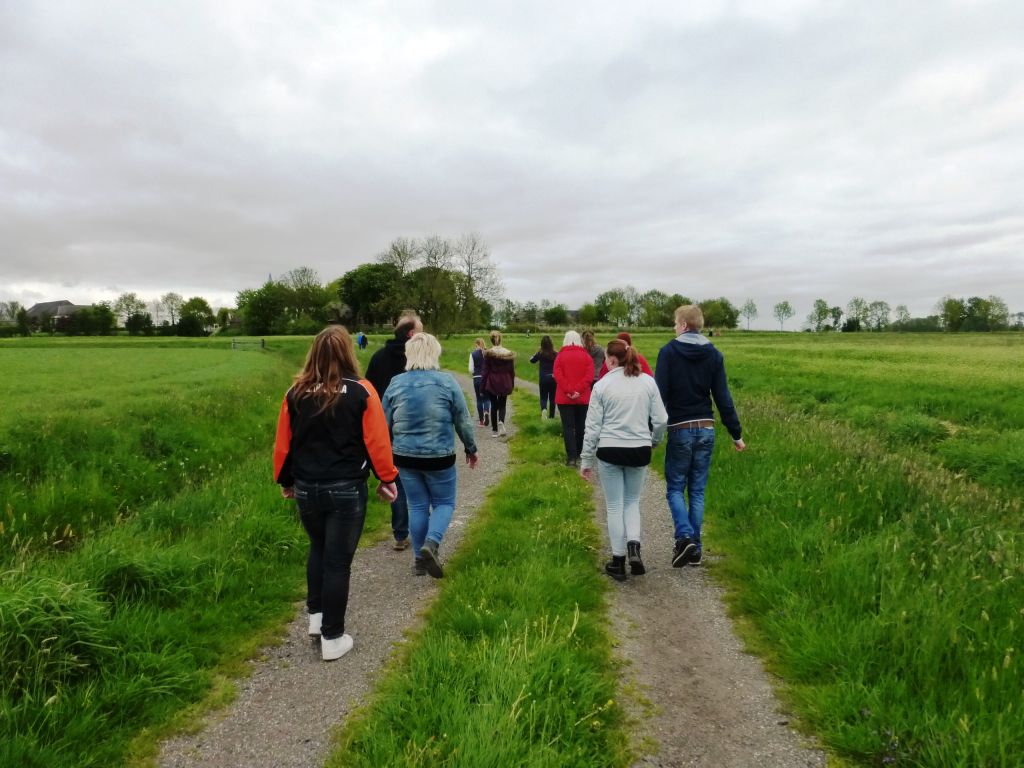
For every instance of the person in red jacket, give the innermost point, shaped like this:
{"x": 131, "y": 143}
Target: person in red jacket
{"x": 574, "y": 376}
{"x": 331, "y": 433}
{"x": 644, "y": 367}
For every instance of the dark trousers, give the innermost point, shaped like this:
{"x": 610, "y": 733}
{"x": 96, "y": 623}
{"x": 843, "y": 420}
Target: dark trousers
{"x": 333, "y": 514}
{"x": 574, "y": 421}
{"x": 497, "y": 410}
{"x": 400, "y": 513}
{"x": 547, "y": 395}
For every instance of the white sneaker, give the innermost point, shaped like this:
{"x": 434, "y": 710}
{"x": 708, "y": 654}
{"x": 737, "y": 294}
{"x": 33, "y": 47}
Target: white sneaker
{"x": 501, "y": 428}
{"x": 315, "y": 620}
{"x": 336, "y": 647}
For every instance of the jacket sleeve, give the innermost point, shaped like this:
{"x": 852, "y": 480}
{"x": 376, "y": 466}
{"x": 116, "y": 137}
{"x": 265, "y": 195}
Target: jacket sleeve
{"x": 583, "y": 375}
{"x": 470, "y": 363}
{"x": 603, "y": 371}
{"x": 376, "y": 437}
{"x": 592, "y": 432}
{"x": 484, "y": 374}
{"x": 659, "y": 416}
{"x": 663, "y": 376}
{"x": 460, "y": 417}
{"x": 644, "y": 366}
{"x": 723, "y": 401}
{"x": 282, "y": 447}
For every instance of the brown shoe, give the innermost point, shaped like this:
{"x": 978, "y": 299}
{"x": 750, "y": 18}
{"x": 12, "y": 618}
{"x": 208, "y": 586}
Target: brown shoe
{"x": 400, "y": 545}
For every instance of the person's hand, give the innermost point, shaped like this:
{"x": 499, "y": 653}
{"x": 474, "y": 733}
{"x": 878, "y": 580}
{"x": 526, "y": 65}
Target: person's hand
{"x": 574, "y": 395}
{"x": 287, "y": 493}
{"x": 387, "y": 492}
{"x": 472, "y": 459}
{"x": 739, "y": 445}
{"x": 586, "y": 473}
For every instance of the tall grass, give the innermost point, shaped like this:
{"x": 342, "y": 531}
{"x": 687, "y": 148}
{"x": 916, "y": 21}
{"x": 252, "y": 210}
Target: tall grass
{"x": 887, "y": 594}
{"x": 163, "y": 595}
{"x": 513, "y": 665}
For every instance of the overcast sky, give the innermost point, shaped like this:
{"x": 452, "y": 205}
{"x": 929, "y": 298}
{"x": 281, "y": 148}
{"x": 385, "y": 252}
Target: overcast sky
{"x": 782, "y": 149}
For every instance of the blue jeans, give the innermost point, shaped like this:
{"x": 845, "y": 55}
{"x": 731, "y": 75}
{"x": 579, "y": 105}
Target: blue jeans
{"x": 687, "y": 462}
{"x": 333, "y": 514}
{"x": 483, "y": 402}
{"x": 622, "y": 487}
{"x": 547, "y": 395}
{"x": 431, "y": 497}
{"x": 400, "y": 513}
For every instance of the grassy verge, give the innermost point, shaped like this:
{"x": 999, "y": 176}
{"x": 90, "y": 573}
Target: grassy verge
{"x": 887, "y": 594}
{"x": 513, "y": 666}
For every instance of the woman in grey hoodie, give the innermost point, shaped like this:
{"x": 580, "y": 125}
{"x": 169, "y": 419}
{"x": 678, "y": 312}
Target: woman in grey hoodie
{"x": 626, "y": 419}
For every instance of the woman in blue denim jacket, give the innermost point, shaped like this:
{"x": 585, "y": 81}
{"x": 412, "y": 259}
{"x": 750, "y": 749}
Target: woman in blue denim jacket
{"x": 424, "y": 408}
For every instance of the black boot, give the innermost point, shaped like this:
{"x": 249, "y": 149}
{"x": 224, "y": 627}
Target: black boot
{"x": 616, "y": 567}
{"x": 636, "y": 565}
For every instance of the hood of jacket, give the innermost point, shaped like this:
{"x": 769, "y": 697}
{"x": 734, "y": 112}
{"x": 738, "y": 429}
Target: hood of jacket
{"x": 501, "y": 353}
{"x": 693, "y": 347}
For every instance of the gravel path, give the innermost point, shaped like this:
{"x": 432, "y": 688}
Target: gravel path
{"x": 285, "y": 711}
{"x": 713, "y": 703}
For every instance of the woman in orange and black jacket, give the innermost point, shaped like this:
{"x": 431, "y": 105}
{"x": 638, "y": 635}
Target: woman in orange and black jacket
{"x": 331, "y": 433}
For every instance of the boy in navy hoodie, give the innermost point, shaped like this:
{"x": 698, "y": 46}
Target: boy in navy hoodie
{"x": 690, "y": 373}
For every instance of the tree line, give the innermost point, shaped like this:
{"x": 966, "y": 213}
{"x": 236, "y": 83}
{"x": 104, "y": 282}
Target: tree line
{"x": 454, "y": 285}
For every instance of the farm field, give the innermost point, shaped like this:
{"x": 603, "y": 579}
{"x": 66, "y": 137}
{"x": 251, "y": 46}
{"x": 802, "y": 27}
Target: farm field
{"x": 145, "y": 551}
{"x": 869, "y": 537}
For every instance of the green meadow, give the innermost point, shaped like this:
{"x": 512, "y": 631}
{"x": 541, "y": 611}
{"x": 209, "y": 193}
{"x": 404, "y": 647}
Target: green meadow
{"x": 869, "y": 539}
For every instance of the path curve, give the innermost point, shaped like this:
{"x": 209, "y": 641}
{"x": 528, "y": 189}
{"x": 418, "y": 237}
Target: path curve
{"x": 286, "y": 710}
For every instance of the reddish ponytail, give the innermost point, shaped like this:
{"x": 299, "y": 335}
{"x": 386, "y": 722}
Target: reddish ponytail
{"x": 626, "y": 357}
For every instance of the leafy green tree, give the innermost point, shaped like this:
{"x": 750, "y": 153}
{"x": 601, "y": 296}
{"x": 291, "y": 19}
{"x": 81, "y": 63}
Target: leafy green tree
{"x": 197, "y": 307}
{"x": 588, "y": 315}
{"x": 139, "y": 323}
{"x": 263, "y": 309}
{"x": 857, "y": 309}
{"x": 617, "y": 312}
{"x": 749, "y": 311}
{"x": 432, "y": 292}
{"x": 128, "y": 304}
{"x": 307, "y": 295}
{"x": 782, "y": 312}
{"x": 372, "y": 292}
{"x": 21, "y": 319}
{"x": 878, "y": 315}
{"x": 172, "y": 305}
{"x": 819, "y": 316}
{"x": 556, "y": 315}
{"x": 836, "y": 316}
{"x": 719, "y": 313}
{"x": 953, "y": 312}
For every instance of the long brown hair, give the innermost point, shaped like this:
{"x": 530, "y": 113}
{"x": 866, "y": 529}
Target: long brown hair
{"x": 331, "y": 359}
{"x": 625, "y": 355}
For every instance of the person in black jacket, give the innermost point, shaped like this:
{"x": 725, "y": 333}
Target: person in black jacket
{"x": 386, "y": 363}
{"x": 690, "y": 372}
{"x": 331, "y": 433}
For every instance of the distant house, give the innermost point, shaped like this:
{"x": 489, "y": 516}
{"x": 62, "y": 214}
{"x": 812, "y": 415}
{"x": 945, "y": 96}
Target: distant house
{"x": 61, "y": 308}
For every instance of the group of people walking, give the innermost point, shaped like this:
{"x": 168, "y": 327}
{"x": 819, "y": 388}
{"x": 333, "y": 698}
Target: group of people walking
{"x": 401, "y": 420}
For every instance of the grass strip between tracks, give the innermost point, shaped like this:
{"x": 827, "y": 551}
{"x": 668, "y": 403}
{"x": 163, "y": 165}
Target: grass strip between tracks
{"x": 513, "y": 665}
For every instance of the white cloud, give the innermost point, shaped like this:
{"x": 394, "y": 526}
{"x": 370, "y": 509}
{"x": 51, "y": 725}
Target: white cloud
{"x": 791, "y": 149}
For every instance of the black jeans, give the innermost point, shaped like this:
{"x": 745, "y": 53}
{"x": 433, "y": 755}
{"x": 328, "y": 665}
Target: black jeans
{"x": 574, "y": 421}
{"x": 547, "y": 395}
{"x": 497, "y": 410}
{"x": 333, "y": 514}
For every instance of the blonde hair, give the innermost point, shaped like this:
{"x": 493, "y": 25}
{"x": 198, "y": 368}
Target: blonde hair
{"x": 479, "y": 343}
{"x": 422, "y": 353}
{"x": 495, "y": 338}
{"x": 331, "y": 358}
{"x": 691, "y": 315}
{"x": 572, "y": 339}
